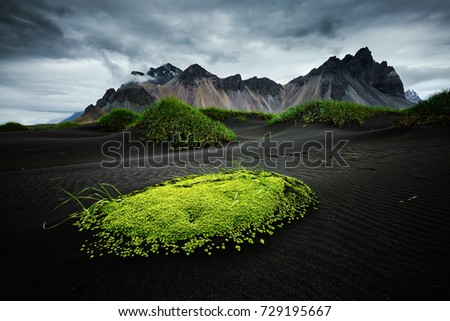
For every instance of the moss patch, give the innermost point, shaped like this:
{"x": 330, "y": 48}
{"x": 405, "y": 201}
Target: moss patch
{"x": 204, "y": 212}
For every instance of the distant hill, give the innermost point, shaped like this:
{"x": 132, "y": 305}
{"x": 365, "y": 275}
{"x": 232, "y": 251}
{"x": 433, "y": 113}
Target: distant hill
{"x": 412, "y": 96}
{"x": 357, "y": 78}
{"x": 73, "y": 116}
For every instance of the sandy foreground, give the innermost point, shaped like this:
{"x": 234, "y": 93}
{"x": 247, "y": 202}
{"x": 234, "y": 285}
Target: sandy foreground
{"x": 382, "y": 231}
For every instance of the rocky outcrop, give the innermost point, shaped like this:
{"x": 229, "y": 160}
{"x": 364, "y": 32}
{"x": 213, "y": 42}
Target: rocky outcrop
{"x": 137, "y": 73}
{"x": 232, "y": 83}
{"x": 263, "y": 86}
{"x": 91, "y": 113}
{"x": 380, "y": 76}
{"x": 108, "y": 98}
{"x": 130, "y": 96}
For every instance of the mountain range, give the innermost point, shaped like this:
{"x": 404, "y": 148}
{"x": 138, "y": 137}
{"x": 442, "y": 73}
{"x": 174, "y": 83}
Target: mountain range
{"x": 357, "y": 78}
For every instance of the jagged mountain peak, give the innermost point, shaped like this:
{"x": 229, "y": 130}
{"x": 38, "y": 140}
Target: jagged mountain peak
{"x": 236, "y": 77}
{"x": 189, "y": 76}
{"x": 168, "y": 65}
{"x": 358, "y": 63}
{"x": 163, "y": 74}
{"x": 355, "y": 78}
{"x": 332, "y": 66}
{"x": 158, "y": 76}
{"x": 196, "y": 71}
{"x": 362, "y": 58}
{"x": 166, "y": 68}
{"x": 364, "y": 55}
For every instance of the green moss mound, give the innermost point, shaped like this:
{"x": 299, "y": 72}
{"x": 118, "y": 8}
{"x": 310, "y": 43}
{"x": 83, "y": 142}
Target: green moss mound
{"x": 118, "y": 119}
{"x": 333, "y": 112}
{"x": 434, "y": 110}
{"x": 183, "y": 125}
{"x": 241, "y": 115}
{"x": 204, "y": 212}
{"x": 13, "y": 127}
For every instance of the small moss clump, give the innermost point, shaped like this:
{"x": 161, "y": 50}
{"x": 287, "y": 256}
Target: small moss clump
{"x": 183, "y": 125}
{"x": 202, "y": 212}
{"x": 13, "y": 127}
{"x": 119, "y": 119}
{"x": 434, "y": 110}
{"x": 333, "y": 112}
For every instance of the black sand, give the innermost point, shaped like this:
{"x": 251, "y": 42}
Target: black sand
{"x": 382, "y": 231}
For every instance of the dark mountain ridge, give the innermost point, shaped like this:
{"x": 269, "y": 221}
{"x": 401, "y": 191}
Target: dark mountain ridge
{"x": 357, "y": 78}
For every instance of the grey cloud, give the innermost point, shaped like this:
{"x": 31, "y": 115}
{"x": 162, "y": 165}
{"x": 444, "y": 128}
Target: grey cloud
{"x": 330, "y": 19}
{"x": 415, "y": 75}
{"x": 115, "y": 70}
{"x": 264, "y": 37}
{"x": 28, "y": 29}
{"x": 328, "y": 26}
{"x": 102, "y": 43}
{"x": 137, "y": 28}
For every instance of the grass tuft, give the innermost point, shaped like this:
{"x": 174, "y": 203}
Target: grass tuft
{"x": 13, "y": 126}
{"x": 333, "y": 112}
{"x": 66, "y": 125}
{"x": 93, "y": 195}
{"x": 60, "y": 126}
{"x": 434, "y": 110}
{"x": 241, "y": 115}
{"x": 185, "y": 126}
{"x": 119, "y": 119}
{"x": 195, "y": 213}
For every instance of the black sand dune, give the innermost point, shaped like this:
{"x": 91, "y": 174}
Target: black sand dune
{"x": 382, "y": 231}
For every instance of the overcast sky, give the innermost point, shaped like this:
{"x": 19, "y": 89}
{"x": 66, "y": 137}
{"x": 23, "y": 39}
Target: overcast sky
{"x": 57, "y": 57}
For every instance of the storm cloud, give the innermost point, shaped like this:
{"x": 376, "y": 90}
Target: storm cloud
{"x": 56, "y": 57}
